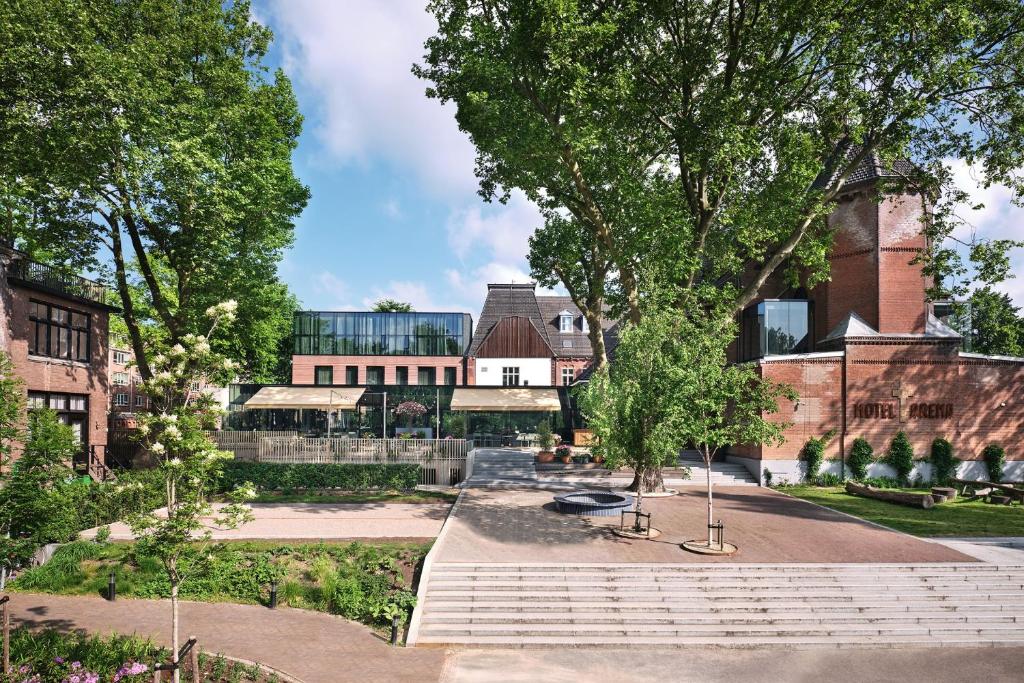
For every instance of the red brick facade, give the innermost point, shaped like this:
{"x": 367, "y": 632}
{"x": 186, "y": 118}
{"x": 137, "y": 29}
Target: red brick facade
{"x": 899, "y": 375}
{"x": 304, "y": 367}
{"x": 53, "y": 375}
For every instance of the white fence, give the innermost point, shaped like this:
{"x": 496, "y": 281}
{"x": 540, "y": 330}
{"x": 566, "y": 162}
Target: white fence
{"x": 442, "y": 461}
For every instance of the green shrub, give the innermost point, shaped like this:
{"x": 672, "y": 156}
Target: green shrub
{"x": 813, "y": 453}
{"x": 883, "y": 482}
{"x": 48, "y": 655}
{"x": 348, "y": 477}
{"x": 943, "y": 463}
{"x": 767, "y": 477}
{"x": 829, "y": 479}
{"x": 901, "y": 456}
{"x": 860, "y": 458}
{"x": 995, "y": 459}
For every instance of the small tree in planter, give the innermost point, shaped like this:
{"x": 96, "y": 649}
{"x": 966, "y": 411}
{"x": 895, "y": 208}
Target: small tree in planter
{"x": 546, "y": 441}
{"x": 174, "y": 434}
{"x": 410, "y": 410}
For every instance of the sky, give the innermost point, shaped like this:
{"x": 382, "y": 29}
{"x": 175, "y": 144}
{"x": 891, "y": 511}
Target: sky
{"x": 394, "y": 209}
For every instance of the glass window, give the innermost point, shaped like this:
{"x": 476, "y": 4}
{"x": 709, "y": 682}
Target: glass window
{"x": 58, "y": 332}
{"x": 568, "y": 375}
{"x": 36, "y": 399}
{"x": 427, "y": 376}
{"x": 140, "y": 401}
{"x": 366, "y": 333}
{"x": 773, "y": 328}
{"x": 449, "y": 376}
{"x": 351, "y": 374}
{"x": 402, "y": 374}
{"x": 324, "y": 374}
{"x": 375, "y": 374}
{"x": 564, "y": 323}
{"x": 510, "y": 376}
{"x": 120, "y": 378}
{"x": 120, "y": 399}
{"x": 120, "y": 357}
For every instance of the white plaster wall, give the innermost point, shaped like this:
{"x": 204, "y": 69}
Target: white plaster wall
{"x": 534, "y": 372}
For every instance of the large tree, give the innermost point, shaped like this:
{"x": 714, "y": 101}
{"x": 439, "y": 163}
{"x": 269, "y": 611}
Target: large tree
{"x": 700, "y": 144}
{"x": 145, "y": 138}
{"x": 997, "y": 326}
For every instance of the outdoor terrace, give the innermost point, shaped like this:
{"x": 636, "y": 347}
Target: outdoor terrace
{"x": 58, "y": 281}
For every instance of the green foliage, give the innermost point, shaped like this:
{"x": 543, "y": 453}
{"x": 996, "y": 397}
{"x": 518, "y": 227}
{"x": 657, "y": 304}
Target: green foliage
{"x": 829, "y": 479}
{"x": 671, "y": 384}
{"x": 162, "y": 161}
{"x": 391, "y": 306}
{"x": 900, "y": 457}
{"x": 994, "y": 456}
{"x": 102, "y": 535}
{"x": 944, "y": 464}
{"x": 359, "y": 581}
{"x": 767, "y": 477}
{"x": 659, "y": 140}
{"x": 997, "y": 326}
{"x": 884, "y": 482}
{"x": 12, "y": 407}
{"x": 860, "y": 458}
{"x": 50, "y": 653}
{"x": 545, "y": 438}
{"x": 813, "y": 453}
{"x": 346, "y": 477}
{"x": 455, "y": 424}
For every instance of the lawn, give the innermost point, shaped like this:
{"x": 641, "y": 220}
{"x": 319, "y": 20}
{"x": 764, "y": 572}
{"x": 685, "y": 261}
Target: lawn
{"x": 360, "y": 581}
{"x": 368, "y": 497}
{"x": 958, "y": 518}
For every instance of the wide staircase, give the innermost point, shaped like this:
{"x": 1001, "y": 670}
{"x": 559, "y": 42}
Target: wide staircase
{"x": 727, "y": 605}
{"x": 502, "y": 468}
{"x": 722, "y": 473}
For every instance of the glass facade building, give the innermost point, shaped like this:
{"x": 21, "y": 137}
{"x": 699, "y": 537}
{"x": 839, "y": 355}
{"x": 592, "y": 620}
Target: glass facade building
{"x": 776, "y": 328}
{"x": 381, "y": 334}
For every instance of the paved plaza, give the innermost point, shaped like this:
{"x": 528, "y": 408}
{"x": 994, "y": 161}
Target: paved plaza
{"x": 521, "y": 525}
{"x": 325, "y": 521}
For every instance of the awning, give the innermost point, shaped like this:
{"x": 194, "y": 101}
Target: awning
{"x": 316, "y": 398}
{"x": 506, "y": 398}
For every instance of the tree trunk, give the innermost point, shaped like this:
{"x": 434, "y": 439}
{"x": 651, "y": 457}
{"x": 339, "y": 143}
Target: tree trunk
{"x": 707, "y": 461}
{"x": 649, "y": 480}
{"x": 921, "y": 500}
{"x": 596, "y": 334}
{"x": 175, "y": 674}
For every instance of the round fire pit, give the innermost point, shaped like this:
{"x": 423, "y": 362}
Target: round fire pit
{"x": 593, "y": 503}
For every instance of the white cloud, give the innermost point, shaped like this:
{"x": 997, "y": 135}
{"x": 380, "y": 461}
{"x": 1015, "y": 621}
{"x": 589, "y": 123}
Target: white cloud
{"x": 503, "y": 230}
{"x": 332, "y": 290}
{"x": 393, "y": 210}
{"x": 999, "y": 218}
{"x": 414, "y": 293}
{"x": 356, "y": 57}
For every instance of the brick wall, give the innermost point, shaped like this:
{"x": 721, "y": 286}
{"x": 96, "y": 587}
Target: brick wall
{"x": 577, "y": 364}
{"x": 304, "y": 367}
{"x": 63, "y": 376}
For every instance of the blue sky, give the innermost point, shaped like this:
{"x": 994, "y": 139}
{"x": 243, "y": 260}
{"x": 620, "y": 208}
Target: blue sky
{"x": 394, "y": 210}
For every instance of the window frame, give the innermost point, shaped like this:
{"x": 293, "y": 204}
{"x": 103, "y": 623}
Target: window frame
{"x": 510, "y": 376}
{"x": 46, "y": 323}
{"x": 570, "y": 373}
{"x": 329, "y": 369}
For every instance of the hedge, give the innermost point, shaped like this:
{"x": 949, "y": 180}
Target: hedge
{"x": 268, "y": 476}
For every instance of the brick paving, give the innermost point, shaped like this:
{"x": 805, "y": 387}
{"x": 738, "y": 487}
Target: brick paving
{"x": 521, "y": 525}
{"x": 311, "y": 646}
{"x": 326, "y": 521}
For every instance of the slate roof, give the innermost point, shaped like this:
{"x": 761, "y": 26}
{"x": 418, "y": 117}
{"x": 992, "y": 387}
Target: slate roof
{"x": 873, "y": 168}
{"x": 505, "y": 300}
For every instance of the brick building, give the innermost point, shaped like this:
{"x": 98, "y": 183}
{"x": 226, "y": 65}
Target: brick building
{"x": 867, "y": 354}
{"x": 528, "y": 340}
{"x": 55, "y": 329}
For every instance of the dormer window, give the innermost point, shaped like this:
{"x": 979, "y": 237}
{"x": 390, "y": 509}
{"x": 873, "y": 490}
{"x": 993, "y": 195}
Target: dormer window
{"x": 584, "y": 325}
{"x": 565, "y": 322}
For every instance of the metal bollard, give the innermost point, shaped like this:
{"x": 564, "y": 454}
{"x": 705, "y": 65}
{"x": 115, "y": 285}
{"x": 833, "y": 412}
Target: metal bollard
{"x": 394, "y": 629}
{"x": 112, "y": 588}
{"x": 273, "y": 594}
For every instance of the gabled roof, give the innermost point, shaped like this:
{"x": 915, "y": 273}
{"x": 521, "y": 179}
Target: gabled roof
{"x": 851, "y": 326}
{"x": 872, "y": 168}
{"x": 566, "y": 344}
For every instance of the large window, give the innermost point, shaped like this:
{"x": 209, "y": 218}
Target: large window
{"x": 449, "y": 376}
{"x": 382, "y": 334}
{"x": 58, "y": 332}
{"x": 426, "y": 376}
{"x": 776, "y": 328}
{"x": 121, "y": 378}
{"x": 324, "y": 375}
{"x": 568, "y": 375}
{"x": 510, "y": 376}
{"x": 375, "y": 374}
{"x": 121, "y": 399}
{"x": 71, "y": 409}
{"x": 351, "y": 374}
{"x": 120, "y": 358}
{"x": 402, "y": 374}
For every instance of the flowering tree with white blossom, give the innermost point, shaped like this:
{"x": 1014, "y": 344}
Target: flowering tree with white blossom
{"x": 174, "y": 434}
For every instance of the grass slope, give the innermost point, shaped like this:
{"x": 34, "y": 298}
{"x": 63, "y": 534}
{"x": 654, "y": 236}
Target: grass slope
{"x": 958, "y": 518}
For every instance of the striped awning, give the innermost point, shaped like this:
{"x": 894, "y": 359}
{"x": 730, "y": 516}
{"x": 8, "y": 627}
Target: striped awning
{"x": 519, "y": 399}
{"x": 316, "y": 398}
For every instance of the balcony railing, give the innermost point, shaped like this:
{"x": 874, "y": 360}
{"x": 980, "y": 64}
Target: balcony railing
{"x": 60, "y": 281}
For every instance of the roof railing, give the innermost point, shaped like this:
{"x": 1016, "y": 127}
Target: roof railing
{"x": 60, "y": 281}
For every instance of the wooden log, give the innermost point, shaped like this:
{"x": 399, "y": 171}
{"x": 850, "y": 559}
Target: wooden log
{"x": 999, "y": 500}
{"x": 921, "y": 500}
{"x": 939, "y": 498}
{"x": 948, "y": 492}
{"x": 1009, "y": 489}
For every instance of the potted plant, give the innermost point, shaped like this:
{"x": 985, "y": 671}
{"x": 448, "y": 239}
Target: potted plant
{"x": 580, "y": 458}
{"x": 564, "y": 453}
{"x": 546, "y": 440}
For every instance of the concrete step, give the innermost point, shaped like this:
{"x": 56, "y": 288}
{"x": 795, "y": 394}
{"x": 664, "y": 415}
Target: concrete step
{"x": 484, "y": 607}
{"x": 705, "y": 642}
{"x": 792, "y": 617}
{"x": 723, "y": 630}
